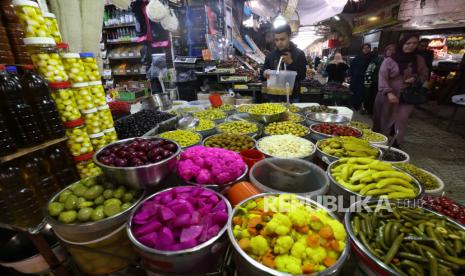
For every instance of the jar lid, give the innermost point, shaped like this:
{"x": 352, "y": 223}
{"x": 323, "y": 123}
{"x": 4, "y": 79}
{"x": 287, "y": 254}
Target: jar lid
{"x": 80, "y": 84}
{"x": 108, "y": 130}
{"x": 95, "y": 83}
{"x": 25, "y": 3}
{"x": 74, "y": 123}
{"x": 88, "y": 111}
{"x": 11, "y": 68}
{"x": 86, "y": 55}
{"x": 96, "y": 135}
{"x": 83, "y": 157}
{"x": 39, "y": 41}
{"x": 70, "y": 55}
{"x": 59, "y": 85}
{"x": 48, "y": 14}
{"x": 102, "y": 107}
{"x": 62, "y": 45}
{"x": 2, "y": 67}
{"x": 27, "y": 67}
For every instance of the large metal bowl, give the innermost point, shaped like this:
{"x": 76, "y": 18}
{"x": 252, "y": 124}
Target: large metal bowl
{"x": 339, "y": 190}
{"x": 87, "y": 231}
{"x": 316, "y": 135}
{"x": 246, "y": 265}
{"x": 267, "y": 118}
{"x": 328, "y": 159}
{"x": 185, "y": 147}
{"x": 251, "y": 134}
{"x": 370, "y": 263}
{"x": 384, "y": 148}
{"x": 223, "y": 188}
{"x": 307, "y": 157}
{"x": 307, "y": 134}
{"x": 206, "y": 139}
{"x": 139, "y": 177}
{"x": 207, "y": 132}
{"x": 178, "y": 262}
{"x": 328, "y": 118}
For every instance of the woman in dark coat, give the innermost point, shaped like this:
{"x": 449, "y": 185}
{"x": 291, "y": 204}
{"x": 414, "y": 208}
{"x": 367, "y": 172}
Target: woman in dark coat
{"x": 357, "y": 71}
{"x": 404, "y": 68}
{"x": 337, "y": 69}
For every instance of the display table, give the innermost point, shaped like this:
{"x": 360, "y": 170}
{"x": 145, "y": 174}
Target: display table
{"x": 342, "y": 110}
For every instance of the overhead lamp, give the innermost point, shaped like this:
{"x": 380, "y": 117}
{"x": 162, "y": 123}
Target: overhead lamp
{"x": 373, "y": 18}
{"x": 337, "y": 18}
{"x": 279, "y": 21}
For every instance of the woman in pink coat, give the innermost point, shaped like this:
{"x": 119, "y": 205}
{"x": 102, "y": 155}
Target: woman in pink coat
{"x": 403, "y": 68}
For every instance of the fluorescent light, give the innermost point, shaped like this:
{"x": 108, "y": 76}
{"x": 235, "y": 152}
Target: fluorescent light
{"x": 279, "y": 21}
{"x": 337, "y": 17}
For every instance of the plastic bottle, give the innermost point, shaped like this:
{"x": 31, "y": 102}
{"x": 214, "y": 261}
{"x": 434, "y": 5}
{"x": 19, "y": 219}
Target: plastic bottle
{"x": 7, "y": 144}
{"x": 43, "y": 106}
{"x": 12, "y": 72}
{"x": 62, "y": 166}
{"x": 35, "y": 172}
{"x": 17, "y": 112}
{"x": 20, "y": 198}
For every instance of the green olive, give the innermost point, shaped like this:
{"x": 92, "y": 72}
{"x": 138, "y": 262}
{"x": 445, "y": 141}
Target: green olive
{"x": 71, "y": 202}
{"x": 99, "y": 200}
{"x": 184, "y": 137}
{"x": 108, "y": 193}
{"x": 64, "y": 195}
{"x": 67, "y": 216}
{"x": 267, "y": 109}
{"x": 98, "y": 214}
{"x": 127, "y": 197}
{"x": 85, "y": 214}
{"x": 80, "y": 190}
{"x": 112, "y": 201}
{"x": 125, "y": 206}
{"x": 93, "y": 192}
{"x": 118, "y": 193}
{"x": 55, "y": 208}
{"x": 89, "y": 182}
{"x": 85, "y": 204}
{"x": 111, "y": 209}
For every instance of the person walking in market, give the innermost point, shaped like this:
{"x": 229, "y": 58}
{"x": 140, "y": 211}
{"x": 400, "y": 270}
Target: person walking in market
{"x": 371, "y": 78}
{"x": 357, "y": 71}
{"x": 337, "y": 69}
{"x": 403, "y": 69}
{"x": 293, "y": 58}
{"x": 428, "y": 55}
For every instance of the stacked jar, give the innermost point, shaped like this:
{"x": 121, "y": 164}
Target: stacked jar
{"x": 91, "y": 117}
{"x": 106, "y": 121}
{"x": 52, "y": 25}
{"x": 90, "y": 64}
{"x": 78, "y": 139}
{"x": 86, "y": 167}
{"x": 83, "y": 96}
{"x": 64, "y": 99}
{"x": 63, "y": 47}
{"x": 46, "y": 59}
{"x": 6, "y": 54}
{"x": 74, "y": 67}
{"x": 31, "y": 18}
{"x": 110, "y": 135}
{"x": 15, "y": 33}
{"x": 98, "y": 93}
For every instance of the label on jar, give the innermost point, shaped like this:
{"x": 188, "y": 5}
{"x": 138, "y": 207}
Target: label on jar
{"x": 88, "y": 111}
{"x": 102, "y": 107}
{"x": 96, "y": 135}
{"x": 108, "y": 130}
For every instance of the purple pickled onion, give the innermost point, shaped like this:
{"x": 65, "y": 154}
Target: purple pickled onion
{"x": 190, "y": 233}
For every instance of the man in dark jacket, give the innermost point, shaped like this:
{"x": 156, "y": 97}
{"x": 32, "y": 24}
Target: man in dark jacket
{"x": 428, "y": 55}
{"x": 293, "y": 57}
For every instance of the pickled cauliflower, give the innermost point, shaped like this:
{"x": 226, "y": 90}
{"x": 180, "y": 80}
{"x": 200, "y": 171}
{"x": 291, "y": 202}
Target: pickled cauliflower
{"x": 284, "y": 234}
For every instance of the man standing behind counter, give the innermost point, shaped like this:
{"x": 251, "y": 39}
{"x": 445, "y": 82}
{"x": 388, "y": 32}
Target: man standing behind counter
{"x": 293, "y": 57}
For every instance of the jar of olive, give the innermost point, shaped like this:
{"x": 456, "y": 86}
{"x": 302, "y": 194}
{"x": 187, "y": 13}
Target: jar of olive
{"x": 110, "y": 135}
{"x": 106, "y": 120}
{"x": 31, "y": 19}
{"x": 92, "y": 119}
{"x": 46, "y": 59}
{"x": 74, "y": 67}
{"x": 86, "y": 167}
{"x": 98, "y": 93}
{"x": 64, "y": 99}
{"x": 90, "y": 65}
{"x": 78, "y": 139}
{"x": 83, "y": 96}
{"x": 98, "y": 140}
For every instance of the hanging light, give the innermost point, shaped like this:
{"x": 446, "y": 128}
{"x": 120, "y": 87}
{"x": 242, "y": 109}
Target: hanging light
{"x": 337, "y": 18}
{"x": 279, "y": 21}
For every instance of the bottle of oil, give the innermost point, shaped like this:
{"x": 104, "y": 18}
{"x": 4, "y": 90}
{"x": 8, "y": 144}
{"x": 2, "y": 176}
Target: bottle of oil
{"x": 7, "y": 144}
{"x": 62, "y": 165}
{"x": 17, "y": 112}
{"x": 21, "y": 199}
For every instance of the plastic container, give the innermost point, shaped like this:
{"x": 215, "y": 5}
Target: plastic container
{"x": 278, "y": 84}
{"x": 17, "y": 112}
{"x": 86, "y": 167}
{"x": 64, "y": 100}
{"x": 62, "y": 166}
{"x": 52, "y": 25}
{"x": 74, "y": 67}
{"x": 106, "y": 120}
{"x": 92, "y": 119}
{"x": 98, "y": 93}
{"x": 98, "y": 140}
{"x": 83, "y": 96}
{"x": 251, "y": 156}
{"x": 43, "y": 106}
{"x": 46, "y": 59}
{"x": 104, "y": 255}
{"x": 110, "y": 135}
{"x": 7, "y": 144}
{"x": 301, "y": 177}
{"x": 78, "y": 139}
{"x": 31, "y": 18}
{"x": 241, "y": 191}
{"x": 90, "y": 64}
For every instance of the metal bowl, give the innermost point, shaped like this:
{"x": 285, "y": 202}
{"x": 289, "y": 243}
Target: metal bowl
{"x": 384, "y": 148}
{"x": 339, "y": 190}
{"x": 181, "y": 261}
{"x": 328, "y": 159}
{"x": 307, "y": 134}
{"x": 301, "y": 118}
{"x": 207, "y": 132}
{"x": 139, "y": 177}
{"x": 267, "y": 118}
{"x": 255, "y": 142}
{"x": 251, "y": 134}
{"x": 308, "y": 157}
{"x": 329, "y": 118}
{"x": 367, "y": 259}
{"x": 223, "y": 188}
{"x": 316, "y": 135}
{"x": 83, "y": 232}
{"x": 246, "y": 265}
{"x": 185, "y": 147}
{"x": 240, "y": 117}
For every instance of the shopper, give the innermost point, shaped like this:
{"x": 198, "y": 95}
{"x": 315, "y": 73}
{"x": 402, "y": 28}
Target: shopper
{"x": 428, "y": 55}
{"x": 337, "y": 69}
{"x": 357, "y": 71}
{"x": 402, "y": 69}
{"x": 293, "y": 58}
{"x": 371, "y": 77}
{"x": 317, "y": 62}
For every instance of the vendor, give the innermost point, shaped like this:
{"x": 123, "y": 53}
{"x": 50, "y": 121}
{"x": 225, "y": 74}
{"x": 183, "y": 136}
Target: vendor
{"x": 293, "y": 57}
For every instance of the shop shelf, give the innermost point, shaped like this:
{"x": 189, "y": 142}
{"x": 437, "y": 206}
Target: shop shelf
{"x": 25, "y": 151}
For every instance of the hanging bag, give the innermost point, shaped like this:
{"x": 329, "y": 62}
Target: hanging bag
{"x": 414, "y": 94}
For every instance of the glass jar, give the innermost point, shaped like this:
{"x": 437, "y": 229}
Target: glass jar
{"x": 86, "y": 167}
{"x": 74, "y": 67}
{"x": 83, "y": 96}
{"x": 64, "y": 99}
{"x": 31, "y": 18}
{"x": 78, "y": 139}
{"x": 52, "y": 25}
{"x": 110, "y": 135}
{"x": 106, "y": 120}
{"x": 46, "y": 59}
{"x": 98, "y": 93}
{"x": 98, "y": 140}
{"x": 92, "y": 119}
{"x": 90, "y": 63}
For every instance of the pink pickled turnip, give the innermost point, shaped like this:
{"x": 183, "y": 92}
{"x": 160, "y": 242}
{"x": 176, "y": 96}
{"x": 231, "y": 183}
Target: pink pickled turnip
{"x": 166, "y": 213}
{"x": 190, "y": 233}
{"x": 148, "y": 227}
{"x": 165, "y": 239}
{"x": 149, "y": 240}
{"x": 220, "y": 218}
{"x": 182, "y": 221}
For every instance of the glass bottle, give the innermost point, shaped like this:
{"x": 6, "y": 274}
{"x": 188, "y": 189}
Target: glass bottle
{"x": 43, "y": 106}
{"x": 17, "y": 112}
{"x": 62, "y": 165}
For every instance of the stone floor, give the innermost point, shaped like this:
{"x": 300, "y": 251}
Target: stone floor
{"x": 432, "y": 147}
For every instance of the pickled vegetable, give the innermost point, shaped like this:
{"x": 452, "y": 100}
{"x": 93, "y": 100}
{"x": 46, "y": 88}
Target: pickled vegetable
{"x": 92, "y": 119}
{"x": 106, "y": 120}
{"x": 90, "y": 65}
{"x": 87, "y": 168}
{"x": 83, "y": 96}
{"x": 65, "y": 102}
{"x": 52, "y": 25}
{"x": 78, "y": 139}
{"x": 46, "y": 59}
{"x": 110, "y": 135}
{"x": 98, "y": 93}
{"x": 98, "y": 140}
{"x": 31, "y": 18}
{"x": 74, "y": 67}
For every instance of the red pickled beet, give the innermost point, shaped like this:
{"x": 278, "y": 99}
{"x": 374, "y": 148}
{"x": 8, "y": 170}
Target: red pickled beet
{"x": 336, "y": 130}
{"x": 445, "y": 206}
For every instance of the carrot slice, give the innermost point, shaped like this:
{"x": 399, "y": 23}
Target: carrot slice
{"x": 304, "y": 229}
{"x": 268, "y": 260}
{"x": 244, "y": 243}
{"x": 334, "y": 245}
{"x": 237, "y": 220}
{"x": 313, "y": 240}
{"x": 326, "y": 232}
{"x": 329, "y": 261}
{"x": 308, "y": 268}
